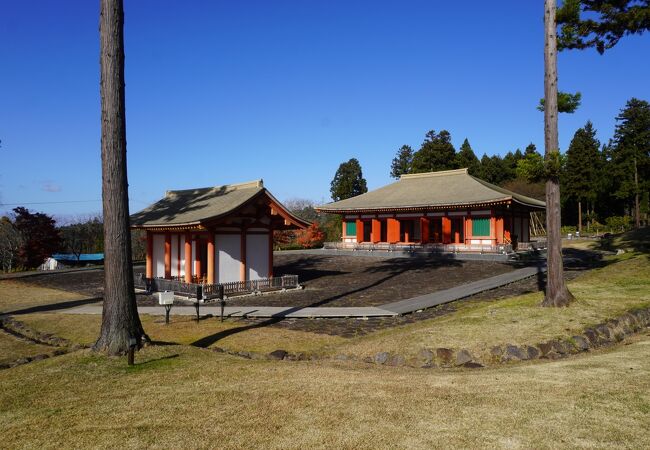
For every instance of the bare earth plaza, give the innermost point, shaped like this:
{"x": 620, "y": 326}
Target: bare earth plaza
{"x": 280, "y": 270}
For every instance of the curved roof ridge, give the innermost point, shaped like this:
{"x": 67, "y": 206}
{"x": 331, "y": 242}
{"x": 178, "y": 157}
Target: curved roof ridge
{"x": 245, "y": 185}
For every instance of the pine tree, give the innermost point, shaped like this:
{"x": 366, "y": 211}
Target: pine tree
{"x": 402, "y": 162}
{"x": 466, "y": 158}
{"x": 582, "y": 169}
{"x": 631, "y": 155}
{"x": 436, "y": 153}
{"x": 348, "y": 181}
{"x": 510, "y": 162}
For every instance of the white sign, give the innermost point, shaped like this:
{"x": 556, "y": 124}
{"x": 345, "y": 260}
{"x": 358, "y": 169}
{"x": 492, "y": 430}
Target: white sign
{"x": 166, "y": 298}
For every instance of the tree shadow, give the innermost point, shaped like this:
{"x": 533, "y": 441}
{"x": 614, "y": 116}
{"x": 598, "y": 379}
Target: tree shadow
{"x": 54, "y": 306}
{"x": 209, "y": 340}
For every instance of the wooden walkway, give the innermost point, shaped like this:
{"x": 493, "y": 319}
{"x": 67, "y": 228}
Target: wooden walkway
{"x": 390, "y": 309}
{"x": 456, "y": 293}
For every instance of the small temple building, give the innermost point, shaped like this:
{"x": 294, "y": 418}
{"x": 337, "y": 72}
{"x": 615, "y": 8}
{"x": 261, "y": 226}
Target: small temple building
{"x": 436, "y": 209}
{"x": 214, "y": 235}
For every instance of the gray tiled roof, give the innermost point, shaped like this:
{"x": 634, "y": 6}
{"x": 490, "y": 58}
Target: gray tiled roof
{"x": 449, "y": 188}
{"x": 195, "y": 206}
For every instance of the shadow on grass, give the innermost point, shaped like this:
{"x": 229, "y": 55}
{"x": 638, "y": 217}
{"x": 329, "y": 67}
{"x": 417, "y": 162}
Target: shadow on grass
{"x": 394, "y": 267}
{"x": 152, "y": 363}
{"x": 53, "y": 306}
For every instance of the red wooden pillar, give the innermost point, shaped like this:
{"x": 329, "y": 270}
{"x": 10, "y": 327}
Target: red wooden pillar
{"x": 343, "y": 229}
{"x": 499, "y": 229}
{"x": 149, "y": 269}
{"x": 168, "y": 256}
{"x": 178, "y": 255}
{"x": 242, "y": 249}
{"x": 392, "y": 232}
{"x": 359, "y": 230}
{"x": 211, "y": 257}
{"x": 376, "y": 231}
{"x": 424, "y": 229}
{"x": 446, "y": 230}
{"x": 188, "y": 258}
{"x": 468, "y": 228}
{"x": 493, "y": 226}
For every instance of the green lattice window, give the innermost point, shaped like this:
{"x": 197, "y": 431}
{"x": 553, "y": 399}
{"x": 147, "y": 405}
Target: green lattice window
{"x": 351, "y": 228}
{"x": 481, "y": 227}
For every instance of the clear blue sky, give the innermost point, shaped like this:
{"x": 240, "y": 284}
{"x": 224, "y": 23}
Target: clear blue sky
{"x": 220, "y": 92}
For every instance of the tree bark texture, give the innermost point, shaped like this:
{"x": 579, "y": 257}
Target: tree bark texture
{"x": 120, "y": 320}
{"x": 557, "y": 293}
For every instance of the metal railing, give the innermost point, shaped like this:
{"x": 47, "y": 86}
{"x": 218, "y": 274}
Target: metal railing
{"x": 414, "y": 248}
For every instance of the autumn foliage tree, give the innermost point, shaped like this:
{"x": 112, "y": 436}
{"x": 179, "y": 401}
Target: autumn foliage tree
{"x": 39, "y": 235}
{"x": 311, "y": 236}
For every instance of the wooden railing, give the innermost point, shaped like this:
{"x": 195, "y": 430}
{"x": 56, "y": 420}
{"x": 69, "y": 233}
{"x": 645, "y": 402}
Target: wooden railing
{"x": 217, "y": 291}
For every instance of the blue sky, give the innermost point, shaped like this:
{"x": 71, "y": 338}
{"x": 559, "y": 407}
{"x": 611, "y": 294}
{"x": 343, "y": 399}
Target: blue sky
{"x": 221, "y": 92}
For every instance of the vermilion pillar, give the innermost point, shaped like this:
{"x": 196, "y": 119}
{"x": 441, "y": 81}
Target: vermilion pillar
{"x": 446, "y": 230}
{"x": 242, "y": 249}
{"x": 376, "y": 231}
{"x": 493, "y": 227}
{"x": 149, "y": 267}
{"x": 392, "y": 232}
{"x": 168, "y": 256}
{"x": 499, "y": 229}
{"x": 424, "y": 229}
{"x": 359, "y": 230}
{"x": 468, "y": 228}
{"x": 211, "y": 258}
{"x": 188, "y": 258}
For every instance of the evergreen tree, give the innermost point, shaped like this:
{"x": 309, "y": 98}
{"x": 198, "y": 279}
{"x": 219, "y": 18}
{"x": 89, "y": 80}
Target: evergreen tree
{"x": 631, "y": 155}
{"x": 466, "y": 158}
{"x": 402, "y": 162}
{"x": 510, "y": 162}
{"x": 582, "y": 167}
{"x": 348, "y": 181}
{"x": 492, "y": 169}
{"x": 530, "y": 148}
{"x": 436, "y": 153}
{"x": 604, "y": 24}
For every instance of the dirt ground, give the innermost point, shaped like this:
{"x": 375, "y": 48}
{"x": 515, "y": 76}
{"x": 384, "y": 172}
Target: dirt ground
{"x": 342, "y": 281}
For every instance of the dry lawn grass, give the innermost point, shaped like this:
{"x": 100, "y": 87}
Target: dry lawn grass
{"x": 12, "y": 348}
{"x": 477, "y": 326}
{"x": 183, "y": 397}
{"x": 600, "y": 294}
{"x": 16, "y": 295}
{"x": 84, "y": 329}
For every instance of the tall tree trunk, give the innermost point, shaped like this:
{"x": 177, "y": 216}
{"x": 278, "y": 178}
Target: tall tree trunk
{"x": 120, "y": 320}
{"x": 579, "y": 217}
{"x": 637, "y": 208}
{"x": 557, "y": 293}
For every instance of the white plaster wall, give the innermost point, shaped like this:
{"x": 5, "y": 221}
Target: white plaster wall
{"x": 158, "y": 255}
{"x": 257, "y": 256}
{"x": 174, "y": 255}
{"x": 182, "y": 238}
{"x": 228, "y": 252}
{"x": 193, "y": 262}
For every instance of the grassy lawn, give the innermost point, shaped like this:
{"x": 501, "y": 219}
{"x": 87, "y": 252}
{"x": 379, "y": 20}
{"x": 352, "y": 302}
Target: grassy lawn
{"x": 600, "y": 294}
{"x": 184, "y": 397}
{"x": 477, "y": 326}
{"x": 17, "y": 295}
{"x": 11, "y": 348}
{"x": 84, "y": 329}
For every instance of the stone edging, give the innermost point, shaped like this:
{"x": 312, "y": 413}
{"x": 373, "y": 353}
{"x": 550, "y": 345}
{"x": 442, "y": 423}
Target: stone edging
{"x": 20, "y": 331}
{"x": 603, "y": 334}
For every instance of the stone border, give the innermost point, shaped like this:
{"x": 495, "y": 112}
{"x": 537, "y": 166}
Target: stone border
{"x": 20, "y": 331}
{"x": 604, "y": 334}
